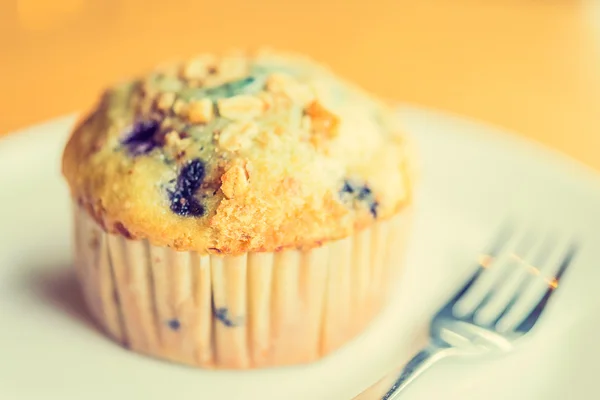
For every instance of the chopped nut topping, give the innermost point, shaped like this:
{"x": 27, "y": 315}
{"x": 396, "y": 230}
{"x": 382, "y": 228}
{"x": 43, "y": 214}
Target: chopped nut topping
{"x": 180, "y": 108}
{"x": 175, "y": 145}
{"x": 285, "y": 84}
{"x": 165, "y": 101}
{"x": 195, "y": 83}
{"x": 213, "y": 81}
{"x": 234, "y": 182}
{"x": 172, "y": 138}
{"x": 324, "y": 122}
{"x": 267, "y": 99}
{"x": 266, "y": 139}
{"x": 195, "y": 69}
{"x": 200, "y": 111}
{"x": 238, "y": 135}
{"x": 241, "y": 107}
{"x": 233, "y": 67}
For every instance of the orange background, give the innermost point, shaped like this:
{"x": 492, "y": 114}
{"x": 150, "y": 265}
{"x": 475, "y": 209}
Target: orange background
{"x": 529, "y": 65}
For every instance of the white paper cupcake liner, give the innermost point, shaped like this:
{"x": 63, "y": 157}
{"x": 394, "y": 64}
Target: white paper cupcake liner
{"x": 247, "y": 311}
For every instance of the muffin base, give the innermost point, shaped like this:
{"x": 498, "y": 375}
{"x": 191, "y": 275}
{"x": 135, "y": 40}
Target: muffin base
{"x": 248, "y": 311}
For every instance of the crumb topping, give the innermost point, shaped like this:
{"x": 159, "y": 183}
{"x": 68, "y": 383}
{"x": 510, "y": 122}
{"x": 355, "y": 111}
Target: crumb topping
{"x": 238, "y": 152}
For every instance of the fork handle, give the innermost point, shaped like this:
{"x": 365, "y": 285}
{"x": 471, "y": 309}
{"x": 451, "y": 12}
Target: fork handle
{"x": 415, "y": 367}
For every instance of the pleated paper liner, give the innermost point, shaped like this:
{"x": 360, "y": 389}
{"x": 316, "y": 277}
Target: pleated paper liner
{"x": 247, "y": 311}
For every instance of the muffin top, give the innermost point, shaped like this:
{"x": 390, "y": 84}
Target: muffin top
{"x": 238, "y": 152}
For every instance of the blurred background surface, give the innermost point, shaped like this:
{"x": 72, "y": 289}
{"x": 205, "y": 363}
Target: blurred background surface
{"x": 532, "y": 66}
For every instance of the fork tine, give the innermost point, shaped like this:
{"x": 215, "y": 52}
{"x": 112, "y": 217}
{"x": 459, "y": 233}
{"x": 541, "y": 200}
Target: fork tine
{"x": 541, "y": 257}
{"x": 467, "y": 285}
{"x": 497, "y": 245}
{"x": 482, "y": 299}
{"x": 535, "y": 314}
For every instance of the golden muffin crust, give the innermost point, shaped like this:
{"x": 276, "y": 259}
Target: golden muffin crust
{"x": 238, "y": 152}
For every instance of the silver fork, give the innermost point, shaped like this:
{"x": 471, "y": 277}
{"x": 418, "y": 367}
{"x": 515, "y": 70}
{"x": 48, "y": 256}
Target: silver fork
{"x": 500, "y": 303}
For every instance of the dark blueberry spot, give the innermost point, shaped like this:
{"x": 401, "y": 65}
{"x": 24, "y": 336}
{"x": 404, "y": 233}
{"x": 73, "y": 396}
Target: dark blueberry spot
{"x": 174, "y": 324}
{"x": 347, "y": 188}
{"x": 358, "y": 193}
{"x": 183, "y": 200}
{"x": 140, "y": 139}
{"x": 365, "y": 193}
{"x": 222, "y": 314}
{"x": 373, "y": 209}
{"x": 186, "y": 206}
{"x": 191, "y": 176}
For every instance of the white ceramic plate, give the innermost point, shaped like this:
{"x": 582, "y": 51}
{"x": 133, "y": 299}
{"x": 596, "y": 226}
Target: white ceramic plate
{"x": 472, "y": 177}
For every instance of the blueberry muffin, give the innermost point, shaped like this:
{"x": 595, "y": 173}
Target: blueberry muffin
{"x": 240, "y": 210}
